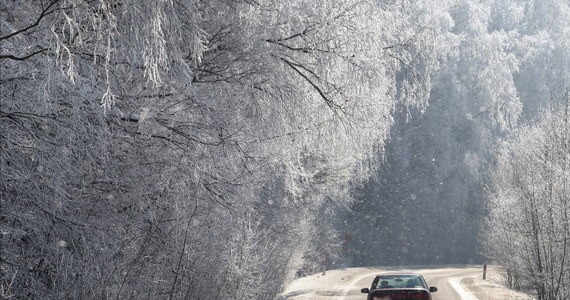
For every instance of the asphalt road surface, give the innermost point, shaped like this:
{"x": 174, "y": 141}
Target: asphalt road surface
{"x": 440, "y": 278}
{"x": 346, "y": 284}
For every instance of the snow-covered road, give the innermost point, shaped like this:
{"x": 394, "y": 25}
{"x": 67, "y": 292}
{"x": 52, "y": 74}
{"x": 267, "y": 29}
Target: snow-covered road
{"x": 345, "y": 284}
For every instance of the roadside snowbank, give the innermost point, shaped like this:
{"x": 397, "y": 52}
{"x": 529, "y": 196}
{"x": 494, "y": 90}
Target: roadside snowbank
{"x": 464, "y": 292}
{"x": 318, "y": 286}
{"x": 493, "y": 288}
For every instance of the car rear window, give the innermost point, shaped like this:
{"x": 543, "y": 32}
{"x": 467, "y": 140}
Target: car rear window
{"x": 398, "y": 281}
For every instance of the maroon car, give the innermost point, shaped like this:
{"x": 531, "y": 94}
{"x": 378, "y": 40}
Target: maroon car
{"x": 408, "y": 286}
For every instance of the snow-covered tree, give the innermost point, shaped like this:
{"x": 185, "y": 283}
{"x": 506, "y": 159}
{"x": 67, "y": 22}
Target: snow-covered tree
{"x": 528, "y": 223}
{"x": 157, "y": 149}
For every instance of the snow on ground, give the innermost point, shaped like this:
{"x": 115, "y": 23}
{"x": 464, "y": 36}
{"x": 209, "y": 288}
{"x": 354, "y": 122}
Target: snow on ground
{"x": 318, "y": 286}
{"x": 461, "y": 290}
{"x": 493, "y": 288}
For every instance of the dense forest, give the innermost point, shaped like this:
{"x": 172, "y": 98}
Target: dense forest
{"x": 170, "y": 149}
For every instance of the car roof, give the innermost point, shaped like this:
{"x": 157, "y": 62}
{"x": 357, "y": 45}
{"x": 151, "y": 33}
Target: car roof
{"x": 399, "y": 274}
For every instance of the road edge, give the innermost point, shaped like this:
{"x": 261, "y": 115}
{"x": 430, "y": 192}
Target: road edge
{"x": 464, "y": 293}
{"x": 353, "y": 283}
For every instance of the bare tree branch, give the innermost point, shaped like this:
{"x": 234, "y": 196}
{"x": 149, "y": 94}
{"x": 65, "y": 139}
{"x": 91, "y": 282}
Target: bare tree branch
{"x": 46, "y": 11}
{"x": 9, "y": 56}
{"x": 328, "y": 101}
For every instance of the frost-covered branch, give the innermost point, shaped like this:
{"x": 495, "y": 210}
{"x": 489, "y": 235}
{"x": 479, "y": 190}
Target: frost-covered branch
{"x": 45, "y": 11}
